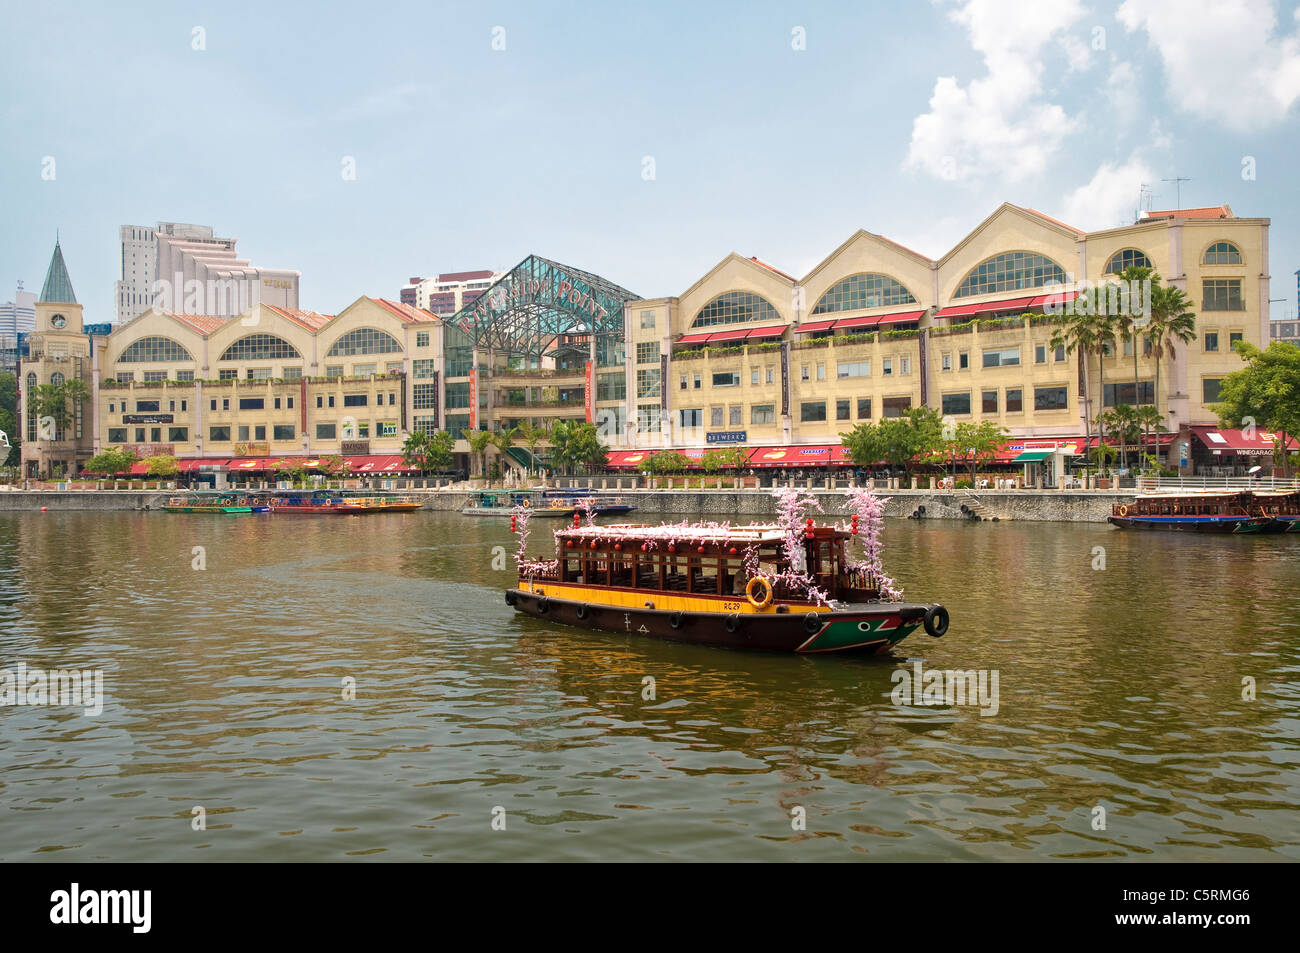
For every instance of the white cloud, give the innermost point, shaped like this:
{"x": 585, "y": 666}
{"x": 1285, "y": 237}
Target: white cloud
{"x": 1224, "y": 59}
{"x": 998, "y": 123}
{"x": 1122, "y": 93}
{"x": 1110, "y": 198}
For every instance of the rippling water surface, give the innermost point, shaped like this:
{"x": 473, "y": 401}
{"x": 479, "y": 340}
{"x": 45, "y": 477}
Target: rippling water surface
{"x": 1120, "y": 688}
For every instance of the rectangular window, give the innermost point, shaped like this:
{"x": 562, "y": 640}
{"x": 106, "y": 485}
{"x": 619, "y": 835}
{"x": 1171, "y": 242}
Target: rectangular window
{"x": 989, "y": 402}
{"x": 356, "y": 400}
{"x": 647, "y": 352}
{"x": 853, "y": 369}
{"x": 424, "y": 396}
{"x": 125, "y": 377}
{"x": 219, "y": 434}
{"x": 887, "y": 366}
{"x": 1210, "y": 389}
{"x": 647, "y": 418}
{"x": 422, "y": 368}
{"x": 363, "y": 429}
{"x": 804, "y": 372}
{"x": 225, "y": 403}
{"x": 770, "y": 375}
{"x": 963, "y": 360}
{"x": 753, "y": 377}
{"x": 1221, "y": 294}
{"x": 693, "y": 417}
{"x": 259, "y": 373}
{"x": 1125, "y": 393}
{"x": 1128, "y": 347}
{"x": 214, "y": 404}
{"x": 421, "y": 338}
{"x": 331, "y": 400}
{"x": 956, "y": 403}
{"x": 320, "y": 401}
{"x": 362, "y": 370}
{"x": 228, "y": 374}
{"x": 1040, "y": 353}
{"x": 647, "y": 382}
{"x": 843, "y": 408}
{"x": 1002, "y": 358}
{"x": 1233, "y": 338}
{"x": 735, "y": 416}
{"x": 946, "y": 361}
{"x": 277, "y": 403}
{"x": 726, "y": 379}
{"x": 251, "y": 403}
{"x": 895, "y": 406}
{"x": 1050, "y": 398}
{"x": 242, "y": 432}
{"x": 139, "y": 435}
{"x": 289, "y": 403}
{"x": 762, "y": 414}
{"x": 325, "y": 431}
{"x": 291, "y": 373}
{"x": 864, "y": 408}
{"x": 282, "y": 432}
{"x": 178, "y": 434}
{"x": 387, "y": 428}
{"x": 259, "y": 432}
{"x": 697, "y": 381}
{"x": 1015, "y": 404}
{"x": 1211, "y": 340}
{"x": 647, "y": 320}
{"x": 715, "y": 416}
{"x": 904, "y": 365}
{"x": 334, "y": 370}
{"x": 821, "y": 372}
{"x": 185, "y": 375}
{"x": 392, "y": 398}
{"x": 812, "y": 411}
{"x": 155, "y": 435}
{"x": 155, "y": 376}
{"x": 184, "y": 405}
{"x": 683, "y": 382}
{"x": 146, "y": 406}
{"x": 1060, "y": 352}
{"x": 171, "y": 405}
{"x": 117, "y": 435}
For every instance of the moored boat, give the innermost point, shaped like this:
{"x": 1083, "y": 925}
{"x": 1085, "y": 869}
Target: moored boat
{"x": 764, "y": 586}
{"x": 1210, "y": 511}
{"x": 198, "y": 502}
{"x": 336, "y": 502}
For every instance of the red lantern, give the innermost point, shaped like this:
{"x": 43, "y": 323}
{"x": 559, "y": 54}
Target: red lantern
{"x": 672, "y": 548}
{"x": 513, "y": 525}
{"x": 700, "y": 549}
{"x": 732, "y": 550}
{"x": 593, "y": 544}
{"x": 577, "y": 521}
{"x": 645, "y": 547}
{"x": 618, "y": 547}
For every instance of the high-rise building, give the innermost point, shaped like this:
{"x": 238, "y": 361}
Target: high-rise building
{"x": 449, "y": 292}
{"x": 187, "y": 269}
{"x": 16, "y": 317}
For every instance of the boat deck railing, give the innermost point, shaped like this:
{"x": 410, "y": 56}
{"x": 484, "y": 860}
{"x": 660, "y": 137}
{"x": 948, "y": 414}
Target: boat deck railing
{"x": 1205, "y": 483}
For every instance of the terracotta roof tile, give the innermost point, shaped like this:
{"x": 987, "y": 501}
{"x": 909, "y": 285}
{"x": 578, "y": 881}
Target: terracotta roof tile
{"x": 1213, "y": 211}
{"x": 1057, "y": 221}
{"x": 778, "y": 271}
{"x": 405, "y": 311}
{"x": 203, "y": 323}
{"x": 311, "y": 320}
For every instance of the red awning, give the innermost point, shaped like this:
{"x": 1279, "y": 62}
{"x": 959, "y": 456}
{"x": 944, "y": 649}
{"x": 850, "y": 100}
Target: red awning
{"x": 626, "y": 458}
{"x": 693, "y": 338}
{"x": 865, "y": 322}
{"x": 772, "y": 331}
{"x": 385, "y": 464}
{"x": 188, "y": 466}
{"x": 1030, "y": 303}
{"x": 905, "y": 317}
{"x": 737, "y": 335}
{"x": 808, "y": 327}
{"x": 815, "y": 456}
{"x": 1236, "y": 442}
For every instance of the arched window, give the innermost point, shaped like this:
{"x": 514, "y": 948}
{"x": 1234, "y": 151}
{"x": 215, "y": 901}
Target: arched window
{"x": 735, "y": 307}
{"x": 31, "y": 410}
{"x": 1013, "y": 271}
{"x": 1126, "y": 258}
{"x": 364, "y": 341}
{"x": 863, "y": 291}
{"x": 259, "y": 347}
{"x": 1222, "y": 253}
{"x": 56, "y": 379}
{"x": 153, "y": 350}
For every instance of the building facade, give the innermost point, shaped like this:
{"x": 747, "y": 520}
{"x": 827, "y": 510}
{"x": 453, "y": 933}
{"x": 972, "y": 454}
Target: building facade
{"x": 449, "y": 292}
{"x": 753, "y": 356}
{"x": 17, "y": 321}
{"x": 187, "y": 269}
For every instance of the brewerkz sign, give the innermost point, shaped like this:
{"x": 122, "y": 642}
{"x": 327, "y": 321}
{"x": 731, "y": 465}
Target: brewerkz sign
{"x": 728, "y": 436}
{"x": 147, "y": 418}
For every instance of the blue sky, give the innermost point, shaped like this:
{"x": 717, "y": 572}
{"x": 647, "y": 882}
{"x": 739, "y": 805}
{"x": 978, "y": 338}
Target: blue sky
{"x": 911, "y": 120}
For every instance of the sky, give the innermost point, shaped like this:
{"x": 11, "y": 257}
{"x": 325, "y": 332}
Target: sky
{"x": 643, "y": 142}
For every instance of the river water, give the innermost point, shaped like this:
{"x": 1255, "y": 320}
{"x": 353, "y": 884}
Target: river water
{"x": 1125, "y": 727}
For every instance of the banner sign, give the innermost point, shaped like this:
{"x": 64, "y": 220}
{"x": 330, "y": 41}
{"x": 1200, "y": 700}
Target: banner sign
{"x": 473, "y": 398}
{"x": 588, "y": 394}
{"x": 785, "y": 378}
{"x": 729, "y": 436}
{"x": 147, "y": 418}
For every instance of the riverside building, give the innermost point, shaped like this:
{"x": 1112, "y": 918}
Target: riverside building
{"x": 782, "y": 365}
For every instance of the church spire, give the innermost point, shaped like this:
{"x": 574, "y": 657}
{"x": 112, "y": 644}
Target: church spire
{"x": 58, "y": 286}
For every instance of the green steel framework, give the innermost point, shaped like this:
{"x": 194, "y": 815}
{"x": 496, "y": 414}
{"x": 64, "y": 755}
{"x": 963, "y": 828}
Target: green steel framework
{"x": 523, "y": 313}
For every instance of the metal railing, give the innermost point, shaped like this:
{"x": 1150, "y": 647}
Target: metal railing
{"x": 1148, "y": 484}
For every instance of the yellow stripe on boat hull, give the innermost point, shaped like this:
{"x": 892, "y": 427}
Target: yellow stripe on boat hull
{"x": 664, "y": 601}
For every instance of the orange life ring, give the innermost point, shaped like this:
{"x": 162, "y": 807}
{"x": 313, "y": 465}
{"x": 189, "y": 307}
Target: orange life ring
{"x": 1123, "y": 509}
{"x": 1175, "y": 507}
{"x": 753, "y": 584}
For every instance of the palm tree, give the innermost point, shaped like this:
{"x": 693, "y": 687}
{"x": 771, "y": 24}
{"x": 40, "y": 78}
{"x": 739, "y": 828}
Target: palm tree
{"x": 1078, "y": 333}
{"x": 1124, "y": 420}
{"x": 58, "y": 401}
{"x": 503, "y": 440}
{"x": 531, "y": 436}
{"x": 1172, "y": 320}
{"x": 1150, "y": 420}
{"x": 478, "y": 444}
{"x": 1127, "y": 320}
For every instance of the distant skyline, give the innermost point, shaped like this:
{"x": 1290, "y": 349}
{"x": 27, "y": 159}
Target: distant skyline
{"x": 481, "y": 133}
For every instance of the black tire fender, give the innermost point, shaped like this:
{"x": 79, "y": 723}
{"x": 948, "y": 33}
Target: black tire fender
{"x": 812, "y": 623}
{"x": 676, "y": 619}
{"x": 936, "y": 621}
{"x": 583, "y": 610}
{"x": 543, "y": 604}
{"x": 511, "y": 598}
{"x": 732, "y": 623}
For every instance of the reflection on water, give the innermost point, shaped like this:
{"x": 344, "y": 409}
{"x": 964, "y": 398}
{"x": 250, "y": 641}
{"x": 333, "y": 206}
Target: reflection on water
{"x": 1121, "y": 688}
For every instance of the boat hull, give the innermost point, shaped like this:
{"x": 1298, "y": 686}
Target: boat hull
{"x": 870, "y": 628}
{"x": 1199, "y": 524}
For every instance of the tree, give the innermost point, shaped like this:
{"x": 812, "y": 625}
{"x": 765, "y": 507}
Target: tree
{"x": 1079, "y": 333}
{"x": 162, "y": 465}
{"x": 111, "y": 461}
{"x": 334, "y": 466}
{"x": 899, "y": 441}
{"x": 9, "y": 423}
{"x": 1123, "y": 421}
{"x": 531, "y": 436}
{"x": 429, "y": 451}
{"x": 1265, "y": 393}
{"x": 1151, "y": 421}
{"x": 59, "y": 401}
{"x": 479, "y": 441}
{"x": 585, "y": 446}
{"x": 975, "y": 444}
{"x": 503, "y": 440}
{"x": 291, "y": 470}
{"x": 724, "y": 458}
{"x": 1172, "y": 320}
{"x": 666, "y": 461}
{"x": 1129, "y": 321}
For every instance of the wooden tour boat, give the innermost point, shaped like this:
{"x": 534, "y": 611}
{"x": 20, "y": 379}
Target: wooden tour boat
{"x": 548, "y": 504}
{"x": 1212, "y": 511}
{"x": 773, "y": 587}
{"x": 334, "y": 502}
{"x": 199, "y": 502}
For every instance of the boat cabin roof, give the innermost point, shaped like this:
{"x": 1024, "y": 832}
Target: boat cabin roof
{"x": 747, "y": 535}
